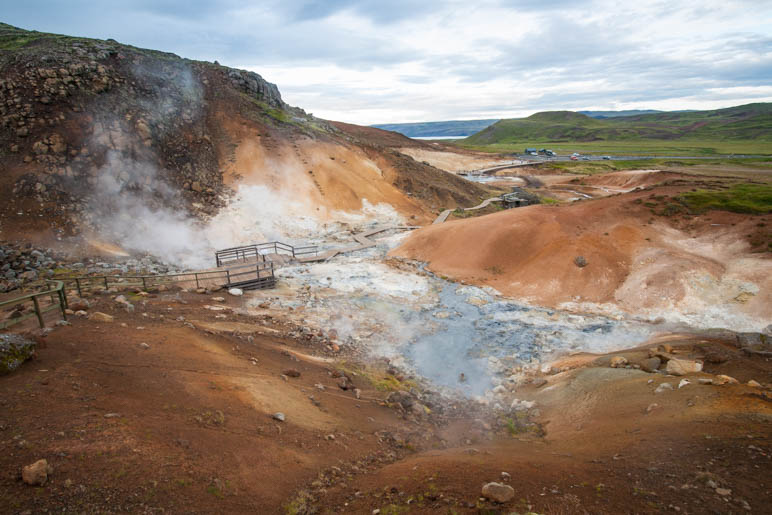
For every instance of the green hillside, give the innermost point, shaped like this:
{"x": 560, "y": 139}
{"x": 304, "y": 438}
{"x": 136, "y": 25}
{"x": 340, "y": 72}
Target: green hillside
{"x": 717, "y": 129}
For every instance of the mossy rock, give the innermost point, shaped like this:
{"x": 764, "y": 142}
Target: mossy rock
{"x": 14, "y": 350}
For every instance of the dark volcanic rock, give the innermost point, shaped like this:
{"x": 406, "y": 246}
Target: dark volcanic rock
{"x": 14, "y": 350}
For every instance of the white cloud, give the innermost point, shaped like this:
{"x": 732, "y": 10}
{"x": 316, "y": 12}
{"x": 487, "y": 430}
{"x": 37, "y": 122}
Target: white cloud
{"x": 409, "y": 60}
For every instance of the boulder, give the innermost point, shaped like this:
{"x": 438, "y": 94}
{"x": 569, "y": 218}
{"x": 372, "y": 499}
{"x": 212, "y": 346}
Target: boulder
{"x": 498, "y": 492}
{"x": 14, "y": 350}
{"x": 79, "y": 305}
{"x": 101, "y": 317}
{"x": 618, "y": 362}
{"x": 236, "y": 292}
{"x": 651, "y": 364}
{"x": 681, "y": 367}
{"x": 37, "y": 473}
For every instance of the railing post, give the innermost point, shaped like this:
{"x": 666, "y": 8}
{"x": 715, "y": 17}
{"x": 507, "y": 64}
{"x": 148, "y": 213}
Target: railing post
{"x": 38, "y": 313}
{"x": 196, "y": 275}
{"x": 106, "y": 287}
{"x": 77, "y": 284}
{"x": 144, "y": 284}
{"x": 228, "y": 275}
{"x": 63, "y": 303}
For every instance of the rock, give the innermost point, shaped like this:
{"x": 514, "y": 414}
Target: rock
{"x": 278, "y": 416}
{"x": 724, "y": 379}
{"x": 723, "y": 492}
{"x": 357, "y": 393}
{"x": 402, "y": 398}
{"x": 705, "y": 380}
{"x": 498, "y": 492}
{"x": 112, "y": 415}
{"x": 218, "y": 299}
{"x": 14, "y": 350}
{"x": 651, "y": 364}
{"x": 618, "y": 362}
{"x": 651, "y": 407}
{"x": 754, "y": 384}
{"x": 144, "y": 345}
{"x": 664, "y": 386}
{"x": 101, "y": 317}
{"x": 79, "y": 305}
{"x": 505, "y": 477}
{"x": 37, "y": 473}
{"x": 580, "y": 261}
{"x": 291, "y": 372}
{"x": 236, "y": 292}
{"x": 538, "y": 382}
{"x": 681, "y": 367}
{"x": 684, "y": 382}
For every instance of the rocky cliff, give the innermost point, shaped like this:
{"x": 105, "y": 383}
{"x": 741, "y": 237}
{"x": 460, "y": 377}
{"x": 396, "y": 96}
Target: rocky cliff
{"x": 84, "y": 123}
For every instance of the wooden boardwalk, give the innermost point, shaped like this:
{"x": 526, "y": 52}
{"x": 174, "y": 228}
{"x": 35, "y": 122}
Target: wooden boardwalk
{"x": 485, "y": 203}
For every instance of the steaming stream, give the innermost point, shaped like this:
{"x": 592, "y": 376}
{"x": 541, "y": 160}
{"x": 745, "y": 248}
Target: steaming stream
{"x": 464, "y": 339}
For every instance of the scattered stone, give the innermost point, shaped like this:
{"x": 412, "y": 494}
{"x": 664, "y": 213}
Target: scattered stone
{"x": 684, "y": 382}
{"x": 112, "y": 415}
{"x": 724, "y": 379}
{"x": 79, "y": 305}
{"x": 651, "y": 364}
{"x": 101, "y": 317}
{"x": 291, "y": 372}
{"x": 505, "y": 477}
{"x": 538, "y": 382}
{"x": 723, "y": 492}
{"x": 144, "y": 345}
{"x": 37, "y": 473}
{"x": 357, "y": 393}
{"x": 580, "y": 261}
{"x": 754, "y": 384}
{"x": 681, "y": 367}
{"x": 279, "y": 416}
{"x": 618, "y": 362}
{"x": 705, "y": 380}
{"x": 498, "y": 492}
{"x": 236, "y": 292}
{"x": 652, "y": 407}
{"x": 14, "y": 350}
{"x": 664, "y": 386}
{"x": 218, "y": 299}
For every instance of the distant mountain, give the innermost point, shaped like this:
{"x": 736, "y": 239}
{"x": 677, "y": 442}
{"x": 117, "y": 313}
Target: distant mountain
{"x": 460, "y": 128}
{"x": 616, "y": 114}
{"x": 747, "y": 122}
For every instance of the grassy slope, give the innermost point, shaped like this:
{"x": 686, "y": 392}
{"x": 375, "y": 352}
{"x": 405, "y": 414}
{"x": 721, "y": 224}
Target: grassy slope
{"x": 743, "y": 129}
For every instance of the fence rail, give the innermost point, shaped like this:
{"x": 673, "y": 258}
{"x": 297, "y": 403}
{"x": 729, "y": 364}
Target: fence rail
{"x": 259, "y": 251}
{"x": 252, "y": 276}
{"x": 58, "y": 301}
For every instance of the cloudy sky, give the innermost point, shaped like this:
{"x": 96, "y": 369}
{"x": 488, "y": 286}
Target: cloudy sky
{"x": 377, "y": 61}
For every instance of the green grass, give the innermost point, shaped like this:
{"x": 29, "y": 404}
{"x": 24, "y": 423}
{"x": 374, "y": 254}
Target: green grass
{"x": 642, "y": 147}
{"x": 743, "y": 129}
{"x": 597, "y": 167}
{"x": 740, "y": 198}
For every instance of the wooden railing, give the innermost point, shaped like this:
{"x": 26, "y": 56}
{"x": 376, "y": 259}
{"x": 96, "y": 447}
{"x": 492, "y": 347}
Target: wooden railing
{"x": 223, "y": 278}
{"x": 58, "y": 300}
{"x": 245, "y": 276}
{"x": 259, "y": 251}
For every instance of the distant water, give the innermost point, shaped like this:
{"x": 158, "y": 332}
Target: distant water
{"x": 438, "y": 137}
